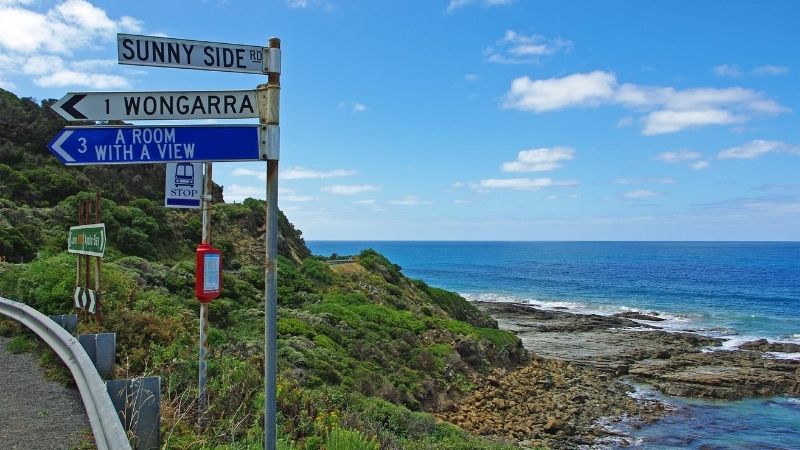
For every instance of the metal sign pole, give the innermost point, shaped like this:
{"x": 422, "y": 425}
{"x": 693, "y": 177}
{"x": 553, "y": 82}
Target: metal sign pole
{"x": 269, "y": 116}
{"x": 202, "y": 401}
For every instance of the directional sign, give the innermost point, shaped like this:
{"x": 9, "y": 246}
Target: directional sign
{"x": 184, "y": 185}
{"x": 187, "y": 54}
{"x": 157, "y": 105}
{"x": 160, "y": 144}
{"x": 87, "y": 239}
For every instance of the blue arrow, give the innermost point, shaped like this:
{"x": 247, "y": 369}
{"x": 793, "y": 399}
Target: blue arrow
{"x": 102, "y": 145}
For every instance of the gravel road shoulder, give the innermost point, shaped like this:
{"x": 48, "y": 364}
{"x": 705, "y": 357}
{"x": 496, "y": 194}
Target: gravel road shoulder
{"x": 36, "y": 413}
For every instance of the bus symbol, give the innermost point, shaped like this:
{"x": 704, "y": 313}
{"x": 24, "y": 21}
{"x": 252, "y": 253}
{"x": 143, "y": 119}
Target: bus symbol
{"x": 184, "y": 174}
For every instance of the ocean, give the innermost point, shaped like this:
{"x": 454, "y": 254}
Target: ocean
{"x": 738, "y": 291}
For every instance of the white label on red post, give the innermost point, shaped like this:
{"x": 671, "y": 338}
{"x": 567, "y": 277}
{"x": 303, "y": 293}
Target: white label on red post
{"x": 211, "y": 273}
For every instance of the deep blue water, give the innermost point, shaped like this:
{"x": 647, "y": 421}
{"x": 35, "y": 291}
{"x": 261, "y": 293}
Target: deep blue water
{"x": 735, "y": 290}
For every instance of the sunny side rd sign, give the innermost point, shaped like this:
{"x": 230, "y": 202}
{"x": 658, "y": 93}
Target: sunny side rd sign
{"x": 188, "y": 54}
{"x": 104, "y": 145}
{"x": 180, "y": 105}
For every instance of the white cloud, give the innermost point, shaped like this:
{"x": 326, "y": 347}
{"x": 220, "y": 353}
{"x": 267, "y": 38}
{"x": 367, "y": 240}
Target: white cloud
{"x": 341, "y": 189}
{"x": 625, "y": 122}
{"x": 728, "y": 70}
{"x": 771, "y": 70}
{"x": 298, "y": 173}
{"x": 242, "y": 172}
{"x": 667, "y": 110}
{"x": 238, "y": 192}
{"x": 517, "y": 48}
{"x": 457, "y": 4}
{"x": 369, "y": 201}
{"x": 522, "y": 183}
{"x": 640, "y": 194}
{"x": 471, "y": 77}
{"x": 757, "y": 148}
{"x": 310, "y": 4}
{"x": 38, "y": 41}
{"x": 355, "y": 107}
{"x": 7, "y": 85}
{"x": 580, "y": 89}
{"x": 92, "y": 80}
{"x": 539, "y": 159}
{"x": 670, "y": 121}
{"x": 679, "y": 156}
{"x": 410, "y": 200}
{"x": 692, "y": 159}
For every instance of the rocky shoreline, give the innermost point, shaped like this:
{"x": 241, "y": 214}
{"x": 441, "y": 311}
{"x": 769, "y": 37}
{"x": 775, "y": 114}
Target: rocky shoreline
{"x": 580, "y": 363}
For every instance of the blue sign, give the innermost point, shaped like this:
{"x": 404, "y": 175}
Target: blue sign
{"x": 155, "y": 144}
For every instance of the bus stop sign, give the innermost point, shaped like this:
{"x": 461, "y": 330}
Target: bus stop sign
{"x": 184, "y": 185}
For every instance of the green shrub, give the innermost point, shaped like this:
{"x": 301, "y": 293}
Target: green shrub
{"x": 344, "y": 439}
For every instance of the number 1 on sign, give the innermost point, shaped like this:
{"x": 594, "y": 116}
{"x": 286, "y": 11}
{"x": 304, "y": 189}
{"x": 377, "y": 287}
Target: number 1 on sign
{"x": 107, "y": 107}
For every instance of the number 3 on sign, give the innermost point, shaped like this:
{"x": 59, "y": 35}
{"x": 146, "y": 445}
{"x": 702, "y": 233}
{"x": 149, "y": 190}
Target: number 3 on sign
{"x": 82, "y": 148}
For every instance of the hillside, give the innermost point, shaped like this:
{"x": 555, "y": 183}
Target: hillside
{"x": 365, "y": 353}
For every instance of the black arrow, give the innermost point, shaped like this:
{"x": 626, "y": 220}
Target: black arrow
{"x": 69, "y": 106}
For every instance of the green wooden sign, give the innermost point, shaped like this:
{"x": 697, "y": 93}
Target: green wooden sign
{"x": 87, "y": 240}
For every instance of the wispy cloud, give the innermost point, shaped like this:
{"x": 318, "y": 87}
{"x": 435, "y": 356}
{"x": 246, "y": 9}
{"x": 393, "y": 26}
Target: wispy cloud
{"x": 238, "y": 192}
{"x": 310, "y": 4}
{"x": 664, "y": 109}
{"x": 355, "y": 107}
{"x": 40, "y": 44}
{"x": 457, "y": 4}
{"x": 298, "y": 173}
{"x": 757, "y": 148}
{"x": 663, "y": 180}
{"x": 410, "y": 200}
{"x": 728, "y": 70}
{"x": 352, "y": 189}
{"x": 640, "y": 194}
{"x": 369, "y": 201}
{"x": 518, "y": 48}
{"x": 524, "y": 184}
{"x": 679, "y": 156}
{"x": 694, "y": 160}
{"x": 539, "y": 159}
{"x": 471, "y": 77}
{"x": 771, "y": 70}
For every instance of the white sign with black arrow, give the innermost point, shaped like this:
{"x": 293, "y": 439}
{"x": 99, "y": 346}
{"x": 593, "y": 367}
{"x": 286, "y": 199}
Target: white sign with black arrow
{"x": 158, "y": 105}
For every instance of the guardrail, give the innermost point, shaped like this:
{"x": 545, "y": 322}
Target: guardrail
{"x": 103, "y": 418}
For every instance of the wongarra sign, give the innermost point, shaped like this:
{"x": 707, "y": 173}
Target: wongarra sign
{"x": 157, "y": 105}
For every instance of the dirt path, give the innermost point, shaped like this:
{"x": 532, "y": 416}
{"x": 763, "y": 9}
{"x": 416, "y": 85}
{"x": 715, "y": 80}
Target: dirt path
{"x": 36, "y": 413}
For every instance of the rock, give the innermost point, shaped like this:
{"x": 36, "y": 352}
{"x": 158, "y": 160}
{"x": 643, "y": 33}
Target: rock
{"x": 721, "y": 374}
{"x": 762, "y": 345}
{"x": 553, "y": 425}
{"x": 639, "y": 316}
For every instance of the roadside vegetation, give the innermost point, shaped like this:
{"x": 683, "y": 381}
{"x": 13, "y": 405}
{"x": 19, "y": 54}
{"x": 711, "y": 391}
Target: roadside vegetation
{"x": 365, "y": 354}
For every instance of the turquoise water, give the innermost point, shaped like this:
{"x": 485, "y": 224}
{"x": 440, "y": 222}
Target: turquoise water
{"x": 735, "y": 290}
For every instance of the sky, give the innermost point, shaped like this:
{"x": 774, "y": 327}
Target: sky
{"x": 479, "y": 119}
